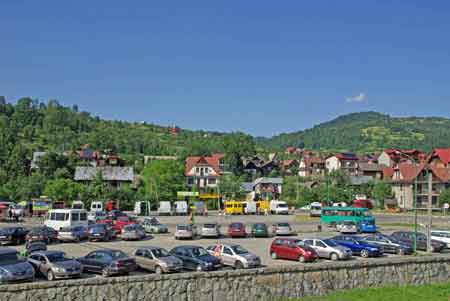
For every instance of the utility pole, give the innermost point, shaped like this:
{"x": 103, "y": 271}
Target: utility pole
{"x": 430, "y": 208}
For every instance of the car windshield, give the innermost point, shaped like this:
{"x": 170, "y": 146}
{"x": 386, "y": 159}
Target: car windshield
{"x": 118, "y": 254}
{"x": 283, "y": 225}
{"x": 260, "y": 226}
{"x": 154, "y": 221}
{"x": 282, "y": 205}
{"x": 199, "y": 252}
{"x": 236, "y": 226}
{"x": 348, "y": 223}
{"x": 8, "y": 258}
{"x": 183, "y": 227}
{"x": 330, "y": 243}
{"x": 8, "y": 230}
{"x": 209, "y": 226}
{"x": 159, "y": 253}
{"x": 300, "y": 243}
{"x": 56, "y": 257}
{"x": 130, "y": 228}
{"x": 239, "y": 250}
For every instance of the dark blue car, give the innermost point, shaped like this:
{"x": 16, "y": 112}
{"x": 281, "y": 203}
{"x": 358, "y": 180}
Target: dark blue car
{"x": 196, "y": 258}
{"x": 358, "y": 246}
{"x": 367, "y": 226}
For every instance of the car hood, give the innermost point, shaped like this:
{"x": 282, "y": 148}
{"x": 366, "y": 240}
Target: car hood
{"x": 249, "y": 256}
{"x": 171, "y": 260}
{"x": 208, "y": 258}
{"x": 19, "y": 267}
{"x": 342, "y": 248}
{"x": 68, "y": 264}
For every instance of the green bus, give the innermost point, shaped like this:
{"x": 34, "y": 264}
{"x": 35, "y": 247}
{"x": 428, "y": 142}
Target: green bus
{"x": 334, "y": 215}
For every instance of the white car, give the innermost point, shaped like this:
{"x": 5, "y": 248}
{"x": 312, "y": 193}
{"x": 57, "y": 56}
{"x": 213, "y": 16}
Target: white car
{"x": 442, "y": 236}
{"x": 347, "y": 227}
{"x": 235, "y": 256}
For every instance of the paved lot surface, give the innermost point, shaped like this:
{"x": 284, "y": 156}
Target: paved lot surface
{"x": 302, "y": 224}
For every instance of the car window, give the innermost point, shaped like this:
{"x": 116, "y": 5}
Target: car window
{"x": 320, "y": 244}
{"x": 139, "y": 252}
{"x": 227, "y": 251}
{"x": 309, "y": 242}
{"x": 278, "y": 242}
{"x": 35, "y": 257}
{"x": 159, "y": 253}
{"x": 92, "y": 255}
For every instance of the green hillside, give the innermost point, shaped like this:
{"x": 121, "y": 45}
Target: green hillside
{"x": 367, "y": 132}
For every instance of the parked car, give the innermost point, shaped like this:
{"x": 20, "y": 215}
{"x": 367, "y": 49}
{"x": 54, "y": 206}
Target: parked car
{"x": 186, "y": 231}
{"x": 133, "y": 232}
{"x": 442, "y": 236}
{"x": 259, "y": 230}
{"x": 115, "y": 228}
{"x": 55, "y": 265}
{"x": 327, "y": 248}
{"x": 359, "y": 246}
{"x": 13, "y": 235}
{"x": 389, "y": 244}
{"x": 152, "y": 225}
{"x": 407, "y": 237}
{"x": 114, "y": 214}
{"x": 367, "y": 226}
{"x": 43, "y": 233}
{"x": 95, "y": 216}
{"x": 294, "y": 249}
{"x": 210, "y": 230}
{"x": 108, "y": 262}
{"x": 196, "y": 258}
{"x": 282, "y": 229}
{"x": 123, "y": 221}
{"x": 31, "y": 247}
{"x": 362, "y": 204}
{"x": 77, "y": 233}
{"x": 235, "y": 256}
{"x": 237, "y": 230}
{"x": 13, "y": 268}
{"x": 100, "y": 232}
{"x": 157, "y": 260}
{"x": 347, "y": 227}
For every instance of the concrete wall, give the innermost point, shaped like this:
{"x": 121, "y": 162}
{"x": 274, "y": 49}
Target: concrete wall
{"x": 256, "y": 284}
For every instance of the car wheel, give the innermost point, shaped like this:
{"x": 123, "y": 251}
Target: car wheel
{"x": 301, "y": 259}
{"x": 105, "y": 273}
{"x": 158, "y": 270}
{"x": 50, "y": 276}
{"x": 238, "y": 265}
{"x": 364, "y": 253}
{"x": 400, "y": 251}
{"x": 273, "y": 255}
{"x": 334, "y": 256}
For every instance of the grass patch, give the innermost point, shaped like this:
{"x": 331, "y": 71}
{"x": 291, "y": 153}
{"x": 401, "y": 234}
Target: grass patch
{"x": 408, "y": 225}
{"x": 306, "y": 218}
{"x": 432, "y": 292}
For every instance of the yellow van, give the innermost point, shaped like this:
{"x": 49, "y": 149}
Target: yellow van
{"x": 234, "y": 207}
{"x": 262, "y": 206}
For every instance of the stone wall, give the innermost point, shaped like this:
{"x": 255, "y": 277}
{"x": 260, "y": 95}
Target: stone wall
{"x": 256, "y": 284}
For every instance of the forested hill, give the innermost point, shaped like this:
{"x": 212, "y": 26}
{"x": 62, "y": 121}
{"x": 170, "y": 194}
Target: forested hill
{"x": 367, "y": 132}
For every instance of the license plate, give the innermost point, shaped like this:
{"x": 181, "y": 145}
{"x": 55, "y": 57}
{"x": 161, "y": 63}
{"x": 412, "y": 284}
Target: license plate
{"x": 2, "y": 237}
{"x": 96, "y": 234}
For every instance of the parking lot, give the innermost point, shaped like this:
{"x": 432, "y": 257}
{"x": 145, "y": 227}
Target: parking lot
{"x": 302, "y": 224}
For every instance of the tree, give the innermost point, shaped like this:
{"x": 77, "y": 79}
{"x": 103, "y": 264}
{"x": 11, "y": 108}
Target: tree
{"x": 162, "y": 179}
{"x": 62, "y": 189}
{"x": 381, "y": 191}
{"x": 51, "y": 162}
{"x": 236, "y": 146}
{"x": 444, "y": 197}
{"x": 230, "y": 186}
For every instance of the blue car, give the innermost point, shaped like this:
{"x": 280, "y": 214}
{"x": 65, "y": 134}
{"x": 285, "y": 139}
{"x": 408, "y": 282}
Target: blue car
{"x": 358, "y": 246}
{"x": 367, "y": 227}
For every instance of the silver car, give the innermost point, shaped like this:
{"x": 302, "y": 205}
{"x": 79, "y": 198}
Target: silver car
{"x": 133, "y": 232}
{"x": 234, "y": 256}
{"x": 187, "y": 231}
{"x": 152, "y": 225}
{"x": 326, "y": 248}
{"x": 347, "y": 227}
{"x": 157, "y": 260}
{"x": 282, "y": 229}
{"x": 210, "y": 230}
{"x": 12, "y": 268}
{"x": 55, "y": 265}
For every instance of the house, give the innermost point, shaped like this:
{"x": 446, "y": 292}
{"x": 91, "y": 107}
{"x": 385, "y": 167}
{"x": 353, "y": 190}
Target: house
{"x": 311, "y": 166}
{"x": 289, "y": 167}
{"x": 373, "y": 170}
{"x": 347, "y": 162}
{"x": 268, "y": 188}
{"x": 405, "y": 175}
{"x": 204, "y": 171}
{"x": 114, "y": 176}
{"x": 89, "y": 155}
{"x": 439, "y": 157}
{"x": 390, "y": 157}
{"x": 257, "y": 165}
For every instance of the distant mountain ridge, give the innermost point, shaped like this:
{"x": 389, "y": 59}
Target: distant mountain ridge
{"x": 367, "y": 132}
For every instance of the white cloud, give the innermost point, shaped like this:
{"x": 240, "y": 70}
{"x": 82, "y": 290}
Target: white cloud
{"x": 361, "y": 97}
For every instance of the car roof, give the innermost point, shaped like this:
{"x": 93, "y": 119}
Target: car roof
{"x": 149, "y": 248}
{"x": 49, "y": 252}
{"x": 188, "y": 247}
{"x": 4, "y": 251}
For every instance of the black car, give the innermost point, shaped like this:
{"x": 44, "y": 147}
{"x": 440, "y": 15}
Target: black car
{"x": 34, "y": 246}
{"x": 108, "y": 262}
{"x": 389, "y": 244}
{"x": 407, "y": 237}
{"x": 196, "y": 258}
{"x": 13, "y": 235}
{"x": 100, "y": 232}
{"x": 44, "y": 233}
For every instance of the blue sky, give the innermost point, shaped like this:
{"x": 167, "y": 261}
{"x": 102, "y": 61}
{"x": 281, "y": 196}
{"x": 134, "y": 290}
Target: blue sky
{"x": 262, "y": 67}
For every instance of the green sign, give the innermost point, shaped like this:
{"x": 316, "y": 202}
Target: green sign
{"x": 187, "y": 193}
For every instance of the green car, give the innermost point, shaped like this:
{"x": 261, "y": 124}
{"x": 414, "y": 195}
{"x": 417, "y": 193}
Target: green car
{"x": 260, "y": 230}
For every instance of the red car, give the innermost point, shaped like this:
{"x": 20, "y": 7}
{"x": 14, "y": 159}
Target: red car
{"x": 237, "y": 230}
{"x": 117, "y": 229}
{"x": 290, "y": 248}
{"x": 122, "y": 221}
{"x": 362, "y": 204}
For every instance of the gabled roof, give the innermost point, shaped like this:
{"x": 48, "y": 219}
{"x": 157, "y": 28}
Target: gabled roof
{"x": 213, "y": 161}
{"x": 363, "y": 166}
{"x": 346, "y": 156}
{"x": 109, "y": 173}
{"x": 265, "y": 180}
{"x": 442, "y": 153}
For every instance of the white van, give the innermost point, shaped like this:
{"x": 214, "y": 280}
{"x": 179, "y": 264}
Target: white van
{"x": 96, "y": 206}
{"x": 315, "y": 209}
{"x": 65, "y": 218}
{"x": 164, "y": 208}
{"x": 250, "y": 207}
{"x": 181, "y": 208}
{"x": 279, "y": 207}
{"x": 77, "y": 205}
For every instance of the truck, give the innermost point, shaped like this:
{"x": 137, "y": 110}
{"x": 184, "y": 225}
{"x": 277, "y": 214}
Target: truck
{"x": 181, "y": 208}
{"x": 315, "y": 209}
{"x": 164, "y": 208}
{"x": 279, "y": 207}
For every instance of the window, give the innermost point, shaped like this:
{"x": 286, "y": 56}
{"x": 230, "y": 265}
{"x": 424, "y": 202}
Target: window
{"x": 75, "y": 216}
{"x": 57, "y": 216}
{"x": 190, "y": 181}
{"x": 320, "y": 244}
{"x": 278, "y": 242}
{"x": 309, "y": 242}
{"x": 139, "y": 252}
{"x": 227, "y": 251}
{"x": 83, "y": 216}
{"x": 212, "y": 181}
